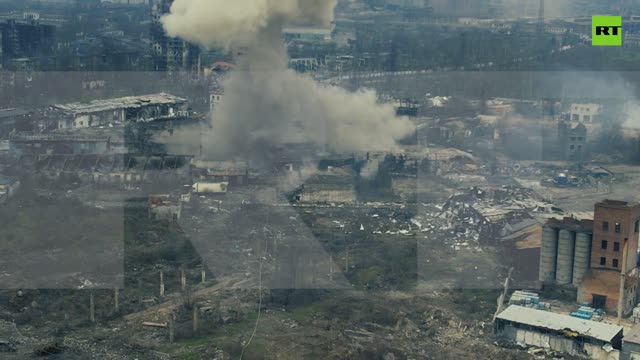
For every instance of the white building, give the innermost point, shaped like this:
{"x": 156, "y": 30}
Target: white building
{"x": 215, "y": 97}
{"x": 586, "y": 113}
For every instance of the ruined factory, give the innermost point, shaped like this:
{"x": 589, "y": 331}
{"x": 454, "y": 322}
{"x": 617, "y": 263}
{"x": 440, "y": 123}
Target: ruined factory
{"x": 336, "y": 179}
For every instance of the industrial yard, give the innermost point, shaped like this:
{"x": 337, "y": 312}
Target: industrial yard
{"x": 344, "y": 179}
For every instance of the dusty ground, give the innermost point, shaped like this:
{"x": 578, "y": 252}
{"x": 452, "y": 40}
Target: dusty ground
{"x": 336, "y": 282}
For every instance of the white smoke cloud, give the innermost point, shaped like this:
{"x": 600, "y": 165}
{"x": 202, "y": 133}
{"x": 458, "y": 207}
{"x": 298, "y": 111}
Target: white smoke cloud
{"x": 215, "y": 22}
{"x": 265, "y": 104}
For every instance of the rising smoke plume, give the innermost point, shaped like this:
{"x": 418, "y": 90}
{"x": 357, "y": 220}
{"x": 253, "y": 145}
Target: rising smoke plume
{"x": 266, "y": 104}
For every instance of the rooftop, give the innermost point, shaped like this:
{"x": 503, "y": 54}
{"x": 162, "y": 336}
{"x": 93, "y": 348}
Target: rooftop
{"x": 40, "y": 137}
{"x": 220, "y": 165}
{"x": 572, "y": 224}
{"x": 5, "y": 113}
{"x": 559, "y": 322}
{"x": 129, "y": 102}
{"x": 616, "y": 204}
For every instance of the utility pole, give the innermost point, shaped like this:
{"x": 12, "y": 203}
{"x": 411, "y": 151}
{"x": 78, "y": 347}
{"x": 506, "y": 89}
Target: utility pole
{"x": 161, "y": 284}
{"x": 623, "y": 271}
{"x": 541, "y": 18}
{"x": 183, "y": 280}
{"x": 116, "y": 299}
{"x": 92, "y": 308}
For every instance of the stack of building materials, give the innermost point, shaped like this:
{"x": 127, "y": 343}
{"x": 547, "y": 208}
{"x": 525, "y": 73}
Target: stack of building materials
{"x": 528, "y": 299}
{"x": 584, "y": 312}
{"x": 524, "y": 298}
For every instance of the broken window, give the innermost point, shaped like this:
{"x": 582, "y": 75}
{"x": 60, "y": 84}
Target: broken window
{"x": 605, "y": 226}
{"x": 618, "y": 228}
{"x": 603, "y": 261}
{"x": 587, "y": 118}
{"x": 615, "y": 263}
{"x": 616, "y": 246}
{"x": 603, "y": 244}
{"x": 636, "y": 226}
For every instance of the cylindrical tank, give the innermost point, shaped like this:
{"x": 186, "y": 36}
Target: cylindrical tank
{"x": 564, "y": 267}
{"x": 548, "y": 254}
{"x": 581, "y": 257}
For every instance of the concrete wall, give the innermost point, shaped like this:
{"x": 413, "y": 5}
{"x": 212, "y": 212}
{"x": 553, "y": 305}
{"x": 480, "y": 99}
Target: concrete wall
{"x": 630, "y": 351}
{"x": 117, "y": 178}
{"x": 329, "y": 196}
{"x": 597, "y": 352}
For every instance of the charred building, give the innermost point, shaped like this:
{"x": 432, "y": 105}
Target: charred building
{"x": 107, "y": 112}
{"x": 170, "y": 54}
{"x": 25, "y": 40}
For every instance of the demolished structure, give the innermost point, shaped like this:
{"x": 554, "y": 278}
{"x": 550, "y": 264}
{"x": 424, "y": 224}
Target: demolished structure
{"x": 559, "y": 332}
{"x": 147, "y": 108}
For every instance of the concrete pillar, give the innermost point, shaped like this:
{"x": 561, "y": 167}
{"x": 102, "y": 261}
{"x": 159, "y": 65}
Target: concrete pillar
{"x": 183, "y": 280}
{"x": 161, "y": 283}
{"x": 203, "y": 275}
{"x": 171, "y": 326}
{"x": 331, "y": 267}
{"x": 116, "y": 299}
{"x": 92, "y": 308}
{"x": 196, "y": 325}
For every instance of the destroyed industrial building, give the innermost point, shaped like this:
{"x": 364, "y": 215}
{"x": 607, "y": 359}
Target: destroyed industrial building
{"x": 149, "y": 108}
{"x": 336, "y": 179}
{"x": 559, "y": 332}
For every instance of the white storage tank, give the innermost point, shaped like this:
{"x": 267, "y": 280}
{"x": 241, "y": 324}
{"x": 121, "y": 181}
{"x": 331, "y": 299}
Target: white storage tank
{"x": 581, "y": 257}
{"x": 564, "y": 267}
{"x": 210, "y": 188}
{"x": 548, "y": 254}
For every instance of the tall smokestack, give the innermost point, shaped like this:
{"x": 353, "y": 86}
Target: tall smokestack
{"x": 541, "y": 18}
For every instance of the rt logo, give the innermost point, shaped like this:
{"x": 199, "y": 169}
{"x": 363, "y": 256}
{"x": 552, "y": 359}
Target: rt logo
{"x": 606, "y": 31}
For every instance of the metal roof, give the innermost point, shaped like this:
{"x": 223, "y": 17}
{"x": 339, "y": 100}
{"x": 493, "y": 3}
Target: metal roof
{"x": 129, "y": 102}
{"x": 559, "y": 322}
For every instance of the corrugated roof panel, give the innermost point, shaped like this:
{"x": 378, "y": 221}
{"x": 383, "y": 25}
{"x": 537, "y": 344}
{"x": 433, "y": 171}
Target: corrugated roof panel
{"x": 558, "y": 322}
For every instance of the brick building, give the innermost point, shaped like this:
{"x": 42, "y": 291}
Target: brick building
{"x": 615, "y": 222}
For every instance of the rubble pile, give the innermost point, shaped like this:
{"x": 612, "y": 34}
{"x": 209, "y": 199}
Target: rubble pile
{"x": 479, "y": 214}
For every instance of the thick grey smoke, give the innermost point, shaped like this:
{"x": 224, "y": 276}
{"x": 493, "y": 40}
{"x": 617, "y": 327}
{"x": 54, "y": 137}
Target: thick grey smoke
{"x": 216, "y": 22}
{"x": 266, "y": 104}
